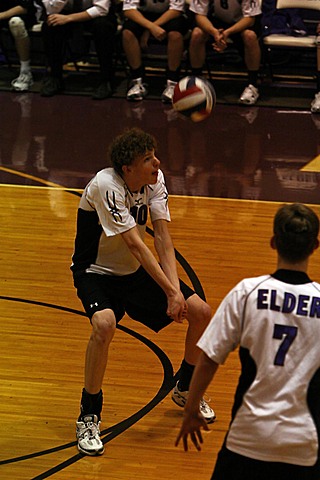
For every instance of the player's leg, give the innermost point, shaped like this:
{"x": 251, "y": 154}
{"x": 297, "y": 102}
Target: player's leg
{"x": 252, "y": 58}
{"x": 130, "y": 41}
{"x": 22, "y": 43}
{"x": 197, "y": 50}
{"x": 96, "y": 295}
{"x": 198, "y": 316}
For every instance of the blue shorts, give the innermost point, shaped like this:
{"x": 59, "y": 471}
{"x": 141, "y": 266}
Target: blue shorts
{"x": 136, "y": 294}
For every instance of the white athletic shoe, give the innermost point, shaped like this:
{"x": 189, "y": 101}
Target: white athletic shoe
{"x": 249, "y": 95}
{"x": 180, "y": 398}
{"x": 88, "y": 435}
{"x": 23, "y": 82}
{"x": 167, "y": 93}
{"x": 315, "y": 104}
{"x": 137, "y": 90}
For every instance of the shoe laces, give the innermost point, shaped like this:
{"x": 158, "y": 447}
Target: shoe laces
{"x": 89, "y": 430}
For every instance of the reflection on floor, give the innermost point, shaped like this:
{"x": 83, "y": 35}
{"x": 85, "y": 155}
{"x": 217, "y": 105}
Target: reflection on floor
{"x": 250, "y": 153}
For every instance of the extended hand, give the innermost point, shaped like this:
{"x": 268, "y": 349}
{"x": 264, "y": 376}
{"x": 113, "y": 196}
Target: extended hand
{"x": 192, "y": 425}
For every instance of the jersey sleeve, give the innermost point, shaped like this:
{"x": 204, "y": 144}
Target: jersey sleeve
{"x": 223, "y": 333}
{"x": 158, "y": 200}
{"x": 200, "y": 7}
{"x": 108, "y": 199}
{"x": 251, "y": 8}
{"x": 130, "y": 5}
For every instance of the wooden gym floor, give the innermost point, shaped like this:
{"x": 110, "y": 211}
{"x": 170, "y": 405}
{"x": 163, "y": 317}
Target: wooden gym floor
{"x": 226, "y": 176}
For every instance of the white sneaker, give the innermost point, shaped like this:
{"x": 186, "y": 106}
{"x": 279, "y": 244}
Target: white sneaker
{"x": 23, "y": 82}
{"x": 167, "y": 93}
{"x": 315, "y": 104}
{"x": 249, "y": 95}
{"x": 88, "y": 435}
{"x": 180, "y": 398}
{"x": 137, "y": 90}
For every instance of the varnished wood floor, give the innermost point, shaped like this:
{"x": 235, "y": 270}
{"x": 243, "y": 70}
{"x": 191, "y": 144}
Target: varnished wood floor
{"x": 224, "y": 195}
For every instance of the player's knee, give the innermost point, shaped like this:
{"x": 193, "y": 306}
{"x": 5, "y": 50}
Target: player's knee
{"x": 127, "y": 36}
{"x": 17, "y": 27}
{"x": 198, "y": 38}
{"x": 206, "y": 313}
{"x": 104, "y": 325}
{"x": 249, "y": 38}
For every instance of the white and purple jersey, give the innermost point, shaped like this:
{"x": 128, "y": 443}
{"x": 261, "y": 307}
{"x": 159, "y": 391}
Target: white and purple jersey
{"x": 275, "y": 322}
{"x": 228, "y": 11}
{"x": 107, "y": 209}
{"x": 154, "y": 6}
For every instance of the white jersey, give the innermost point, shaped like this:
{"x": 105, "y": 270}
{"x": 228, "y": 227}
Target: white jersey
{"x": 228, "y": 11}
{"x": 276, "y": 322}
{"x": 107, "y": 209}
{"x": 154, "y": 6}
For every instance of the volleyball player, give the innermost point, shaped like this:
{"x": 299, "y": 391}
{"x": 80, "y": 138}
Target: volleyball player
{"x": 275, "y": 321}
{"x": 116, "y": 273}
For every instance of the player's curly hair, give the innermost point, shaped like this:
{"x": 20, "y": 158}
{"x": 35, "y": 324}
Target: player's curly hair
{"x": 128, "y": 146}
{"x": 296, "y": 229}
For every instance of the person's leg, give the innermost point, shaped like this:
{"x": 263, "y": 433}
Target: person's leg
{"x": 54, "y": 39}
{"x": 131, "y": 46}
{"x": 252, "y": 59}
{"x": 198, "y": 316}
{"x": 175, "y": 47}
{"x": 197, "y": 51}
{"x": 315, "y": 104}
{"x": 22, "y": 43}
{"x": 104, "y": 31}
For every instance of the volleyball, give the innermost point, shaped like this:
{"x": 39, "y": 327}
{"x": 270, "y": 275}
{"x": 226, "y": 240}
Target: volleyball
{"x": 194, "y": 97}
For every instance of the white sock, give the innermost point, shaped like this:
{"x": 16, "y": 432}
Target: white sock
{"x": 25, "y": 66}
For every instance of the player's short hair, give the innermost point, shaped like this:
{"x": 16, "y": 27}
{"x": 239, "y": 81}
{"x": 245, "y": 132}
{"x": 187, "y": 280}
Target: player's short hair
{"x": 295, "y": 228}
{"x": 128, "y": 146}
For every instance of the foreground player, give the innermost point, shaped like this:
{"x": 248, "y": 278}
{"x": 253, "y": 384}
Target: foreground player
{"x": 275, "y": 319}
{"x": 115, "y": 272}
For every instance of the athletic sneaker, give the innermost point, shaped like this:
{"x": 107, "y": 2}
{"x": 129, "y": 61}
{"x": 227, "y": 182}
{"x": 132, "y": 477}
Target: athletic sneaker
{"x": 167, "y": 93}
{"x": 88, "y": 435}
{"x": 180, "y": 398}
{"x": 137, "y": 90}
{"x": 249, "y": 95}
{"x": 315, "y": 104}
{"x": 23, "y": 82}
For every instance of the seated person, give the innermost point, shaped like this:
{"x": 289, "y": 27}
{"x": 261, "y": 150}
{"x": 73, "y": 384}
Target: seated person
{"x": 219, "y": 21}
{"x": 19, "y": 16}
{"x": 163, "y": 20}
{"x": 98, "y": 17}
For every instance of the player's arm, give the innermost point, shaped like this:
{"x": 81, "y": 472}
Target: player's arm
{"x": 193, "y": 421}
{"x": 206, "y": 25}
{"x": 18, "y": 10}
{"x": 165, "y": 250}
{"x": 176, "y": 302}
{"x": 240, "y": 26}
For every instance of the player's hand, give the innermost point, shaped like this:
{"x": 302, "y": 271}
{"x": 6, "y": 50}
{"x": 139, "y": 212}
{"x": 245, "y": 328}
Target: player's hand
{"x": 57, "y": 19}
{"x": 144, "y": 40}
{"x": 192, "y": 425}
{"x": 158, "y": 32}
{"x": 177, "y": 307}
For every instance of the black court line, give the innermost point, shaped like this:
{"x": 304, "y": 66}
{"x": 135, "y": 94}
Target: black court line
{"x": 110, "y": 433}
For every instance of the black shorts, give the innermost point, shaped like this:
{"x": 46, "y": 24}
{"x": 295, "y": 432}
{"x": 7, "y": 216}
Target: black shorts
{"x": 136, "y": 294}
{"x": 237, "y": 467}
{"x": 179, "y": 24}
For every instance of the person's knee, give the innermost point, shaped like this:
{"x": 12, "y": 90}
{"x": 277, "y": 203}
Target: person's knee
{"x": 127, "y": 36}
{"x": 249, "y": 38}
{"x": 198, "y": 38}
{"x": 104, "y": 325}
{"x": 18, "y": 28}
{"x": 174, "y": 36}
